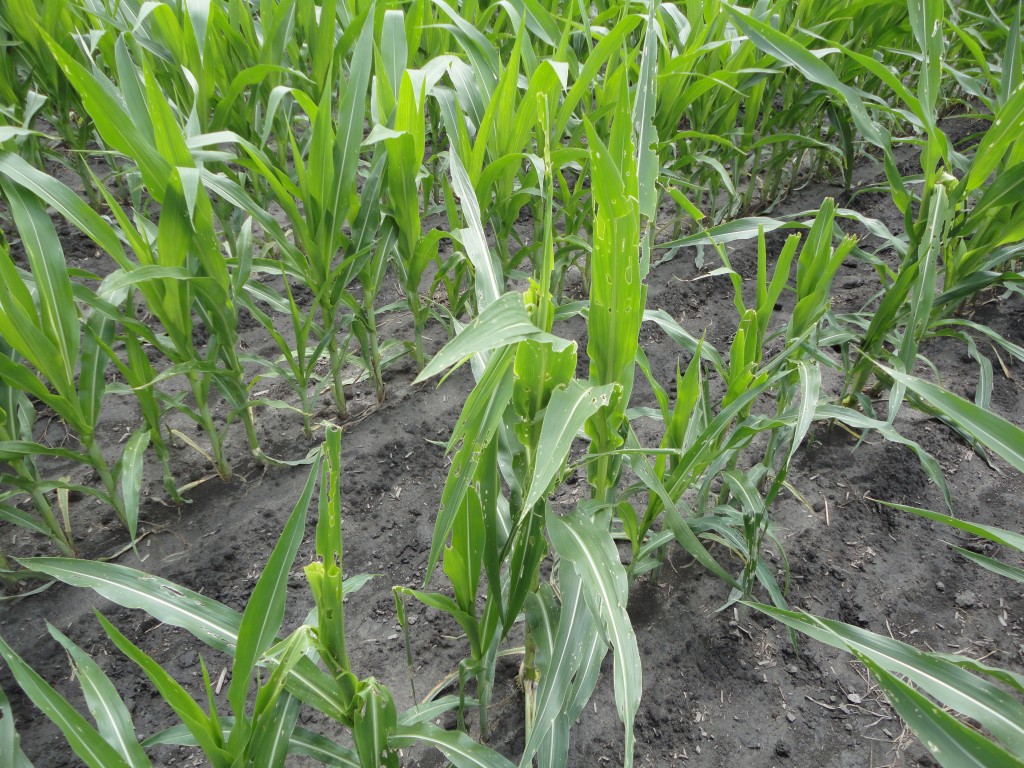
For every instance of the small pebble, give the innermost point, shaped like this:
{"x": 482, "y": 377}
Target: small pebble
{"x": 940, "y": 586}
{"x": 792, "y": 669}
{"x": 966, "y": 599}
{"x": 790, "y": 716}
{"x": 853, "y": 698}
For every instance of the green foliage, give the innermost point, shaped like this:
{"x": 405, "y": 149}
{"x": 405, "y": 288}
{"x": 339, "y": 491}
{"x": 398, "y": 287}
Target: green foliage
{"x": 293, "y": 160}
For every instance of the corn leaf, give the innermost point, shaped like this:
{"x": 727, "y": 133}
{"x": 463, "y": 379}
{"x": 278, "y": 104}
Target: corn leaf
{"x": 592, "y": 553}
{"x": 85, "y": 740}
{"x": 489, "y": 282}
{"x": 174, "y": 694}
{"x": 565, "y": 415}
{"x": 573, "y": 631}
{"x": 131, "y": 477}
{"x": 9, "y": 740}
{"x": 264, "y": 610}
{"x": 104, "y": 702}
{"x": 502, "y": 323}
{"x": 461, "y": 750}
{"x": 996, "y": 710}
{"x": 1002, "y": 437}
{"x": 951, "y": 742}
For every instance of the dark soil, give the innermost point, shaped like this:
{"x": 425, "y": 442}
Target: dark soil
{"x": 720, "y": 688}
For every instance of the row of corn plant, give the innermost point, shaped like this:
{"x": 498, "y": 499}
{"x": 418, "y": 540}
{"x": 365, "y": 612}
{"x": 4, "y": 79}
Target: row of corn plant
{"x": 961, "y": 238}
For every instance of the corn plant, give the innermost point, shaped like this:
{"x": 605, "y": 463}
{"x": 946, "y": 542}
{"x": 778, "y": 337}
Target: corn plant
{"x": 272, "y": 678}
{"x": 321, "y": 199}
{"x": 404, "y": 157}
{"x": 169, "y": 256}
{"x": 485, "y": 95}
{"x": 519, "y": 424}
{"x": 57, "y": 357}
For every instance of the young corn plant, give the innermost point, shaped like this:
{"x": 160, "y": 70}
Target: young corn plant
{"x": 319, "y": 197}
{"x": 188, "y": 273}
{"x": 52, "y": 354}
{"x": 17, "y": 420}
{"x": 272, "y": 677}
{"x": 39, "y": 26}
{"x": 405, "y": 151}
{"x": 517, "y": 430}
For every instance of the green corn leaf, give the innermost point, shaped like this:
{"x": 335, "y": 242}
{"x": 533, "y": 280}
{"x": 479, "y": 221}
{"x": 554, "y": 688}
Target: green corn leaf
{"x": 461, "y": 750}
{"x": 1005, "y": 131}
{"x": 375, "y": 720}
{"x": 131, "y": 477}
{"x": 272, "y": 734}
{"x": 176, "y": 697}
{"x": 996, "y": 710}
{"x": 167, "y": 134}
{"x": 951, "y": 742}
{"x": 565, "y": 414}
{"x": 810, "y": 390}
{"x": 617, "y": 292}
{"x": 1012, "y": 679}
{"x": 58, "y": 313}
{"x": 1002, "y": 437}
{"x": 92, "y": 373}
{"x": 574, "y": 631}
{"x": 212, "y": 622}
{"x": 593, "y": 555}
{"x": 14, "y": 450}
{"x": 463, "y": 560}
{"x": 26, "y": 520}
{"x": 1000, "y": 536}
{"x": 264, "y": 610}
{"x": 991, "y": 564}
{"x": 104, "y": 702}
{"x": 489, "y": 282}
{"x": 476, "y": 427}
{"x": 113, "y": 122}
{"x": 504, "y": 322}
{"x": 926, "y": 21}
{"x": 351, "y": 115}
{"x": 445, "y": 604}
{"x": 1005, "y": 190}
{"x": 728, "y": 232}
{"x": 302, "y": 742}
{"x": 643, "y": 114}
{"x": 420, "y": 713}
{"x": 9, "y": 740}
{"x": 85, "y": 741}
{"x": 608, "y": 46}
{"x": 858, "y": 420}
{"x": 69, "y": 204}
{"x": 923, "y": 296}
{"x": 788, "y": 51}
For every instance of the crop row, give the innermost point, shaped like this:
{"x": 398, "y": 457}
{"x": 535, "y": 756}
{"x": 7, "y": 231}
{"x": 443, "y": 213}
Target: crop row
{"x": 285, "y": 160}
